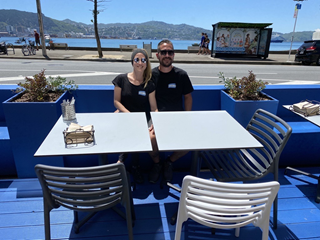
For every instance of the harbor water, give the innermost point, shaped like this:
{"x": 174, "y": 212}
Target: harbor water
{"x": 115, "y": 43}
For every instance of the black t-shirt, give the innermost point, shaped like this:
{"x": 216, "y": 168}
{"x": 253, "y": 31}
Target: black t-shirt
{"x": 170, "y": 87}
{"x": 134, "y": 98}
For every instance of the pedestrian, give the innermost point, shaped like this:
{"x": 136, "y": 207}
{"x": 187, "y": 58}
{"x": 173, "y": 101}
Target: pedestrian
{"x": 133, "y": 92}
{"x": 37, "y": 39}
{"x": 201, "y": 46}
{"x": 206, "y": 48}
{"x": 173, "y": 93}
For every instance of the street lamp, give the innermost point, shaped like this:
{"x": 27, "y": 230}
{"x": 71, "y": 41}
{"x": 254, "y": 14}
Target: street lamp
{"x": 297, "y": 7}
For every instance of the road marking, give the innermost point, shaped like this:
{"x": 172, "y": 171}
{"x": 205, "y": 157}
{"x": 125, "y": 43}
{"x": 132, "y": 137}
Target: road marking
{"x": 90, "y": 74}
{"x": 201, "y": 77}
{"x": 297, "y": 82}
{"x": 233, "y": 76}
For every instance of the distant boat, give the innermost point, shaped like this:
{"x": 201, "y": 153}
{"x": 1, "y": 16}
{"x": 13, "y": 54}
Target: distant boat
{"x": 47, "y": 38}
{"x": 276, "y": 40}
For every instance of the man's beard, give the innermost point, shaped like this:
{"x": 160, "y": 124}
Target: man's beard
{"x": 166, "y": 63}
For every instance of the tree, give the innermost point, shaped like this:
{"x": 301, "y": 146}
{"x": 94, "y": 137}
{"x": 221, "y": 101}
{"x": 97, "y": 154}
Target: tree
{"x": 95, "y": 13}
{"x": 44, "y": 50}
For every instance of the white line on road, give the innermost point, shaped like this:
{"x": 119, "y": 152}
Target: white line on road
{"x": 202, "y": 77}
{"x": 297, "y": 82}
{"x": 282, "y": 81}
{"x": 90, "y": 74}
{"x": 233, "y": 76}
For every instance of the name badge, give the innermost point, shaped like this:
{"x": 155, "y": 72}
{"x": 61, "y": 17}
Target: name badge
{"x": 172, "y": 85}
{"x": 142, "y": 93}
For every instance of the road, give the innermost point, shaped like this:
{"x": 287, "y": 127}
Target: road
{"x": 13, "y": 71}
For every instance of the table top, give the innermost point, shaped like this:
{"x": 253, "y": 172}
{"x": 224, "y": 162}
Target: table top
{"x": 200, "y": 130}
{"x": 114, "y": 133}
{"x": 315, "y": 119}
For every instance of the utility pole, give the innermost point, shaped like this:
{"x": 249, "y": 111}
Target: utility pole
{"x": 43, "y": 43}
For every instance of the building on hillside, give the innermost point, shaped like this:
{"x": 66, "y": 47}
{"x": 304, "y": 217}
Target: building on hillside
{"x": 4, "y": 34}
{"x": 316, "y": 35}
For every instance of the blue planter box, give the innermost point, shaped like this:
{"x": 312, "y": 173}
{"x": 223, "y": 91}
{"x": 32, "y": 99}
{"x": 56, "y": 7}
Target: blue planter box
{"x": 28, "y": 125}
{"x": 242, "y": 111}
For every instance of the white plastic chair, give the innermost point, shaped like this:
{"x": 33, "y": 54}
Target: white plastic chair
{"x": 252, "y": 164}
{"x": 222, "y": 205}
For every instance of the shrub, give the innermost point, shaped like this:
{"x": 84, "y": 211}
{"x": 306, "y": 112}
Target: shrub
{"x": 245, "y": 88}
{"x": 39, "y": 87}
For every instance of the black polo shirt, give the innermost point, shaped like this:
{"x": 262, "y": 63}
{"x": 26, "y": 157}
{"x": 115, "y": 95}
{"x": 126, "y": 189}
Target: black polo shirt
{"x": 170, "y": 87}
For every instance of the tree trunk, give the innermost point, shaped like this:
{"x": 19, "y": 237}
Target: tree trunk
{"x": 95, "y": 22}
{"x": 43, "y": 43}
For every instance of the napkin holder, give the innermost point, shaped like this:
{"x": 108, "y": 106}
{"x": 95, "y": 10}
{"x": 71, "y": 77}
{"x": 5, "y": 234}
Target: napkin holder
{"x": 307, "y": 107}
{"x": 76, "y": 134}
{"x": 68, "y": 110}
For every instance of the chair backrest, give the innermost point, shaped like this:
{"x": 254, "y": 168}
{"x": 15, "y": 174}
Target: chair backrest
{"x": 84, "y": 189}
{"x": 273, "y": 133}
{"x": 226, "y": 205}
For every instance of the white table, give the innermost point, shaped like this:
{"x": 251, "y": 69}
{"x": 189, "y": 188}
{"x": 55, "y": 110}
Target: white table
{"x": 200, "y": 130}
{"x": 315, "y": 119}
{"x": 114, "y": 133}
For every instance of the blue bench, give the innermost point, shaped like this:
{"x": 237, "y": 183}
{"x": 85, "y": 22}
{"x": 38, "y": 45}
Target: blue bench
{"x": 8, "y": 167}
{"x": 7, "y": 164}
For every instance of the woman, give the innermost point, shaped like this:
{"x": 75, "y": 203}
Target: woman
{"x": 134, "y": 92}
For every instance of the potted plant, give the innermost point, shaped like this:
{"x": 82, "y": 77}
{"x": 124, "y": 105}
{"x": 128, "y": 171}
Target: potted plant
{"x": 243, "y": 96}
{"x": 30, "y": 115}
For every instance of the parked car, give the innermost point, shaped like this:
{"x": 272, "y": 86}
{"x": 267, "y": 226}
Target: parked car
{"x": 309, "y": 52}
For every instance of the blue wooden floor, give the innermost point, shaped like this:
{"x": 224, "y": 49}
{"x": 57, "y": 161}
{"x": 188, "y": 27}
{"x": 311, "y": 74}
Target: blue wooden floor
{"x": 21, "y": 214}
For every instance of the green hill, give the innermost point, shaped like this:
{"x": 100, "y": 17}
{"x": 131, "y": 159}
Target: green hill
{"x": 26, "y": 21}
{"x": 21, "y": 23}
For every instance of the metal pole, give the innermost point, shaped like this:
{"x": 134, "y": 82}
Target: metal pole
{"x": 43, "y": 44}
{"x": 295, "y": 22}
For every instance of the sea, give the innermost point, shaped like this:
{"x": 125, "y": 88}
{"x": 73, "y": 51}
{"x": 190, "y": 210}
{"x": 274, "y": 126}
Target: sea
{"x": 114, "y": 43}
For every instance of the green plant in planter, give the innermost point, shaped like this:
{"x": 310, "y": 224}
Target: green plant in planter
{"x": 40, "y": 89}
{"x": 245, "y": 88}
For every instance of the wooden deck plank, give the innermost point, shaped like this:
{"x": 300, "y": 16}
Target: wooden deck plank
{"x": 295, "y": 203}
{"x": 299, "y": 216}
{"x": 21, "y": 214}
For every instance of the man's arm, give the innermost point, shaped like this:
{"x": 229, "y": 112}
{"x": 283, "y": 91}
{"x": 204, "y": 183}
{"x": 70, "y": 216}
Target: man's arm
{"x": 188, "y": 102}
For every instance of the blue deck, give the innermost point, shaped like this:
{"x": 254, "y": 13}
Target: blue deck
{"x": 21, "y": 213}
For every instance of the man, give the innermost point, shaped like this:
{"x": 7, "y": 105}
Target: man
{"x": 37, "y": 39}
{"x": 202, "y": 41}
{"x": 173, "y": 93}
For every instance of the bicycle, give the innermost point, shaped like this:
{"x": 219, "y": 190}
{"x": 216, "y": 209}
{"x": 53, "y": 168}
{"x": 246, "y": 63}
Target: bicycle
{"x": 28, "y": 49}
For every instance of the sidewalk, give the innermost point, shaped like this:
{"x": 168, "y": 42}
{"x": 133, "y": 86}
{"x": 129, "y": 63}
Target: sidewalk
{"x": 124, "y": 56}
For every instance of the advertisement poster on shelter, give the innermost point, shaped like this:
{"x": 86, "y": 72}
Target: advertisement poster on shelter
{"x": 237, "y": 40}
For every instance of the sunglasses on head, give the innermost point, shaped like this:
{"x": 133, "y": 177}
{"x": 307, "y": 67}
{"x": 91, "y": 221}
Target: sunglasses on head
{"x": 165, "y": 52}
{"x": 143, "y": 60}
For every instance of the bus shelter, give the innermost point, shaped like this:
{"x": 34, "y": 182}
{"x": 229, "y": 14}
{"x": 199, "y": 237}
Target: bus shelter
{"x": 241, "y": 39}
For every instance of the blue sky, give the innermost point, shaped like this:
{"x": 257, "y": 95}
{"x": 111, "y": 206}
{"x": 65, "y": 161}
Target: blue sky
{"x": 196, "y": 13}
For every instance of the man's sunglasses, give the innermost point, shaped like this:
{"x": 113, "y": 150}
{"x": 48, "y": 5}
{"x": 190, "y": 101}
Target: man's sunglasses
{"x": 143, "y": 60}
{"x": 165, "y": 52}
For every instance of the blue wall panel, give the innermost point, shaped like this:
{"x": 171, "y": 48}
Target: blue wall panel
{"x": 301, "y": 150}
